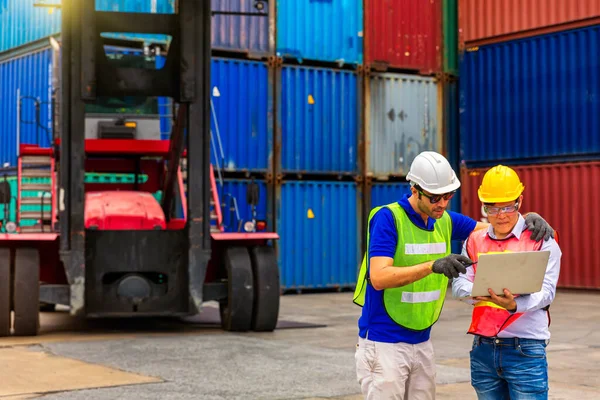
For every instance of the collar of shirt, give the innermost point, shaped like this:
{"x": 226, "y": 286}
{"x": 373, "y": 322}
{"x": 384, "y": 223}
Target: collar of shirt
{"x": 414, "y": 216}
{"x": 516, "y": 232}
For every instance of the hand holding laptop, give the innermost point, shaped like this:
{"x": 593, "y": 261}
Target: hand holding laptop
{"x": 507, "y": 301}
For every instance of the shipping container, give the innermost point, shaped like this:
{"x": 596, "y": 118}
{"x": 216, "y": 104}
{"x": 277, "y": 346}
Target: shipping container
{"x": 390, "y": 192}
{"x": 28, "y": 78}
{"x": 451, "y": 129}
{"x": 565, "y": 195}
{"x": 532, "y": 100}
{"x": 403, "y": 114}
{"x": 329, "y": 30}
{"x": 450, "y": 16}
{"x": 242, "y": 115}
{"x": 21, "y": 22}
{"x": 387, "y": 193}
{"x": 494, "y": 21}
{"x": 319, "y": 224}
{"x": 319, "y": 120}
{"x": 237, "y": 25}
{"x": 404, "y": 34}
{"x": 234, "y": 207}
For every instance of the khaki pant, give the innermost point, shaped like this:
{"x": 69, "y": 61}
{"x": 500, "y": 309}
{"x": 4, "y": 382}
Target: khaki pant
{"x": 395, "y": 370}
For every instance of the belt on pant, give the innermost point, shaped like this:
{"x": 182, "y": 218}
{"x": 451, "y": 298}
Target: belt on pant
{"x": 513, "y": 342}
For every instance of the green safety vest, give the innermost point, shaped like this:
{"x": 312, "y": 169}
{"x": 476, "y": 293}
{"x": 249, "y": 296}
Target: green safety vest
{"x": 418, "y": 305}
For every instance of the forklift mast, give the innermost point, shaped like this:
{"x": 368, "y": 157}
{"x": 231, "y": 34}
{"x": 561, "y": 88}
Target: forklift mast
{"x": 87, "y": 75}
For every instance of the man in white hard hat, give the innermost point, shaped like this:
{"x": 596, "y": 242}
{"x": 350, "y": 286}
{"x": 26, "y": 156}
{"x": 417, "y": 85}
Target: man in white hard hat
{"x": 404, "y": 278}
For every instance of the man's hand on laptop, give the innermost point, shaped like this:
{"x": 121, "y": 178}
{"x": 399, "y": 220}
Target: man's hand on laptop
{"x": 508, "y": 301}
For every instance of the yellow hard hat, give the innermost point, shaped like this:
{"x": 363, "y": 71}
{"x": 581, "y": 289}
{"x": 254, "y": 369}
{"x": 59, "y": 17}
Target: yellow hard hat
{"x": 500, "y": 184}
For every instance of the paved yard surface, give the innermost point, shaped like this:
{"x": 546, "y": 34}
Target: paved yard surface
{"x": 162, "y": 359}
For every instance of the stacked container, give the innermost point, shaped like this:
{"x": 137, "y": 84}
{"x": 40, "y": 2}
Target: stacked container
{"x": 411, "y": 96}
{"x": 318, "y": 142}
{"x": 530, "y": 95}
{"x": 324, "y": 114}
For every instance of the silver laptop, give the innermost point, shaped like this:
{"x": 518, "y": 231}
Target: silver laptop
{"x": 521, "y": 273}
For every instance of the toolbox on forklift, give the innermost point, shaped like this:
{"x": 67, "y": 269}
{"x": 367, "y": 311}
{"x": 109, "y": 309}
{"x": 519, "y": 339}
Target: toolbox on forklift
{"x": 95, "y": 223}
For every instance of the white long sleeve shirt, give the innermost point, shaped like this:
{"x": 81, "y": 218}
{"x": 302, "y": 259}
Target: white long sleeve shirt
{"x": 533, "y": 324}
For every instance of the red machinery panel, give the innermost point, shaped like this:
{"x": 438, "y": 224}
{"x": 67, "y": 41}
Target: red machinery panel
{"x": 123, "y": 210}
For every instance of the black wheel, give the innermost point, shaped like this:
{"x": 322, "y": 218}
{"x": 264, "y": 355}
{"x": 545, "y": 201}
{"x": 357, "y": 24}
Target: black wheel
{"x": 47, "y": 307}
{"x": 266, "y": 288}
{"x": 236, "y": 310}
{"x": 27, "y": 292}
{"x": 5, "y": 292}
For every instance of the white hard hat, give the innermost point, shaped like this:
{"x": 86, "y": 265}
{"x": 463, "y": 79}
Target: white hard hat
{"x": 433, "y": 173}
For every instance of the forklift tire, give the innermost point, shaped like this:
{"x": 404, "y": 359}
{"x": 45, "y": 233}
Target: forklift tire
{"x": 236, "y": 310}
{"x": 47, "y": 307}
{"x": 266, "y": 288}
{"x": 27, "y": 292}
{"x": 5, "y": 291}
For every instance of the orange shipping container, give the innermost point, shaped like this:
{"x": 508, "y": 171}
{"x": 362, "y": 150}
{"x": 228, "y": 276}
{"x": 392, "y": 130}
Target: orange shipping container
{"x": 565, "y": 195}
{"x": 493, "y": 21}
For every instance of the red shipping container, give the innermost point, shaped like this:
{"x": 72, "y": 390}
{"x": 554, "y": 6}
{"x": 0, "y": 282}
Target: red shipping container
{"x": 404, "y": 34}
{"x": 493, "y": 21}
{"x": 565, "y": 195}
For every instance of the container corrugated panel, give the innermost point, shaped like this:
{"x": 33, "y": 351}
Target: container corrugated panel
{"x": 450, "y": 17}
{"x": 404, "y": 34}
{"x": 533, "y": 100}
{"x": 32, "y": 76}
{"x": 452, "y": 138}
{"x": 236, "y": 189}
{"x": 247, "y": 33}
{"x": 494, "y": 21}
{"x": 318, "y": 223}
{"x": 330, "y": 30}
{"x": 549, "y": 191}
{"x": 403, "y": 119}
{"x": 319, "y": 112}
{"x": 243, "y": 109}
{"x": 165, "y": 107}
{"x": 22, "y": 23}
{"x": 387, "y": 193}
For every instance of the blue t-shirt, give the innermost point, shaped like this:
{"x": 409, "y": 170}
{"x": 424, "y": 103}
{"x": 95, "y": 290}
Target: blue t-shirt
{"x": 383, "y": 241}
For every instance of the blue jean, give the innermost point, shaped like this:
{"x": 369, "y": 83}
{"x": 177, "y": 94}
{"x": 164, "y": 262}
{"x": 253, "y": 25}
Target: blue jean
{"x": 515, "y": 369}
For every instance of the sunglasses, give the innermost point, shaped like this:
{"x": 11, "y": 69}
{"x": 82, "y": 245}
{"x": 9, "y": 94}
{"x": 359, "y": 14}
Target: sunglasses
{"x": 492, "y": 210}
{"x": 435, "y": 198}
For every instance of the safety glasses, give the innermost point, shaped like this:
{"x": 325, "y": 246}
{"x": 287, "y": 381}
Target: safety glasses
{"x": 435, "y": 198}
{"x": 492, "y": 210}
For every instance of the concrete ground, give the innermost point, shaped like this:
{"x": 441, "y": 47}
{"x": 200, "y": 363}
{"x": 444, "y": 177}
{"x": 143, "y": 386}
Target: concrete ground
{"x": 158, "y": 359}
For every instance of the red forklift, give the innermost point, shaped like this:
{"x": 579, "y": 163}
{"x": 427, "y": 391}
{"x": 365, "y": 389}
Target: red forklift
{"x": 148, "y": 246}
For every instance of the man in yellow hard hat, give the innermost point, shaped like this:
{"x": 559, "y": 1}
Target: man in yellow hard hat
{"x": 508, "y": 359}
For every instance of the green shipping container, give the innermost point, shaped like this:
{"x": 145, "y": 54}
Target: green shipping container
{"x": 450, "y": 18}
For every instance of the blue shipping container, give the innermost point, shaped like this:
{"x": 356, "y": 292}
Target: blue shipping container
{"x": 244, "y": 110}
{"x": 532, "y": 100}
{"x": 387, "y": 193}
{"x": 31, "y": 76}
{"x": 330, "y": 30}
{"x": 165, "y": 106}
{"x": 245, "y": 33}
{"x": 22, "y": 23}
{"x": 318, "y": 223}
{"x": 319, "y": 126}
{"x": 236, "y": 189}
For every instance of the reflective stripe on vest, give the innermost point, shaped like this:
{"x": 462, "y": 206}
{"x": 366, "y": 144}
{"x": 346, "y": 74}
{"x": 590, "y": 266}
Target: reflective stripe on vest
{"x": 489, "y": 319}
{"x": 418, "y": 305}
